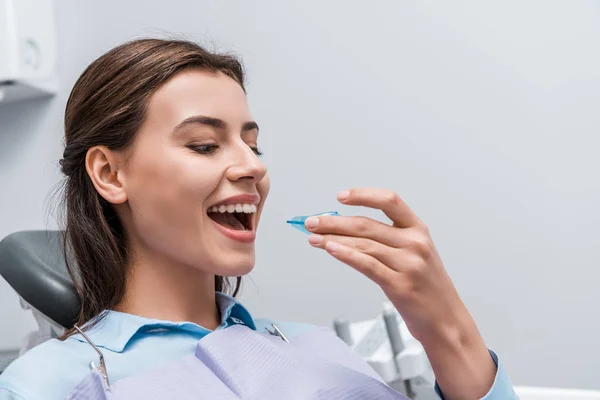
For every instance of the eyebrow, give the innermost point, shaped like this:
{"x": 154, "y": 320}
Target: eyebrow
{"x": 214, "y": 123}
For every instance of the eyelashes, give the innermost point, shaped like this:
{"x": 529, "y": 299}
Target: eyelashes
{"x": 205, "y": 149}
{"x": 208, "y": 149}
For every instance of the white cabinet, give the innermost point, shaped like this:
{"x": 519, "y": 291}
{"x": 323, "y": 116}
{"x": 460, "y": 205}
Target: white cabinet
{"x": 28, "y": 49}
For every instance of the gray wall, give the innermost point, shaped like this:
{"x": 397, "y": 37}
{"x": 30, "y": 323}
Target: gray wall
{"x": 482, "y": 115}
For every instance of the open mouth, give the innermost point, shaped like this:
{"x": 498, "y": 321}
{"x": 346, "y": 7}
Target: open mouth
{"x": 238, "y": 217}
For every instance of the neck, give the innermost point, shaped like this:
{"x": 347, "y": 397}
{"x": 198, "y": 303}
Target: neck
{"x": 162, "y": 289}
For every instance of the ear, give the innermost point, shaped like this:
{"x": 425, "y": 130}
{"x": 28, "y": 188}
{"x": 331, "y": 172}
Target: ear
{"x": 103, "y": 167}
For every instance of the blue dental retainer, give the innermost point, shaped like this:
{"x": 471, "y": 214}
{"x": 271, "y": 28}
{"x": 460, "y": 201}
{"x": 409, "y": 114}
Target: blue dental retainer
{"x": 298, "y": 222}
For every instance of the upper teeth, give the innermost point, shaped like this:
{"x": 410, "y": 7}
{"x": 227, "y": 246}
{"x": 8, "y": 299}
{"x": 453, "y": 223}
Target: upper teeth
{"x": 231, "y": 208}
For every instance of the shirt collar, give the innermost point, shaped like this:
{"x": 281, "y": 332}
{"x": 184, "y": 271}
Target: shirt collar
{"x": 116, "y": 329}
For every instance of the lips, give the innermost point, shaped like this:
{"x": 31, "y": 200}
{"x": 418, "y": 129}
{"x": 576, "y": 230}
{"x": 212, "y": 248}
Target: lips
{"x": 234, "y": 216}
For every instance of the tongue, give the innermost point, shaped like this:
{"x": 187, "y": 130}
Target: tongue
{"x": 228, "y": 220}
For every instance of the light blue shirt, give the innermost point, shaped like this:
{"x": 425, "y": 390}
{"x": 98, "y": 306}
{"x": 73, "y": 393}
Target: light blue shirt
{"x": 132, "y": 344}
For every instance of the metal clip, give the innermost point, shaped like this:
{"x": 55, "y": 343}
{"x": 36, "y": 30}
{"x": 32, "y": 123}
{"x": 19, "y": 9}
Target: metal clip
{"x": 277, "y": 332}
{"x": 102, "y": 367}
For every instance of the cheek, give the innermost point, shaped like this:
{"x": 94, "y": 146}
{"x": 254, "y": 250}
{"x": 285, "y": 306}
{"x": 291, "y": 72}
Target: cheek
{"x": 263, "y": 188}
{"x": 167, "y": 197}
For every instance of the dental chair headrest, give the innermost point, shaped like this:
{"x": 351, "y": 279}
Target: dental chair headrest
{"x": 33, "y": 263}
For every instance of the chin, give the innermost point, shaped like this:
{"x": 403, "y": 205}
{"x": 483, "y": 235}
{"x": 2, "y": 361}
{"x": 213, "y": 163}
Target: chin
{"x": 232, "y": 265}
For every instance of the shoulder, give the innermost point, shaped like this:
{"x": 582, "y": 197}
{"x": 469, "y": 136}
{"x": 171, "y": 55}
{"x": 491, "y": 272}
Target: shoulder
{"x": 48, "y": 371}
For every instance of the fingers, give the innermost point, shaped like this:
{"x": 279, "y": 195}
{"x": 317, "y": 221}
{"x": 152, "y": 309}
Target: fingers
{"x": 385, "y": 200}
{"x": 362, "y": 227}
{"x": 381, "y": 252}
{"x": 386, "y": 254}
{"x": 363, "y": 263}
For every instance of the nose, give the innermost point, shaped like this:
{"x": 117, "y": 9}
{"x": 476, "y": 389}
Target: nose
{"x": 245, "y": 165}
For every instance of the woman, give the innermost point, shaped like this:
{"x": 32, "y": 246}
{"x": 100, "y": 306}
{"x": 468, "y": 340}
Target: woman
{"x": 164, "y": 191}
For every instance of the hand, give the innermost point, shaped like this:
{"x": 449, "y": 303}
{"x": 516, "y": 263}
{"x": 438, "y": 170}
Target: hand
{"x": 402, "y": 259}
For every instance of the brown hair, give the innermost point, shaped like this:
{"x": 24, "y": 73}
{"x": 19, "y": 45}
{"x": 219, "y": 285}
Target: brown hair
{"x": 107, "y": 107}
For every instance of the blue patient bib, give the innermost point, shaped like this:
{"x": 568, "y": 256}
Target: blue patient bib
{"x": 240, "y": 363}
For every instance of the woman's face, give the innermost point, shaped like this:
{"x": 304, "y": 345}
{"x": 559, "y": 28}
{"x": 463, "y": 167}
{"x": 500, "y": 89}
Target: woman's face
{"x": 195, "y": 185}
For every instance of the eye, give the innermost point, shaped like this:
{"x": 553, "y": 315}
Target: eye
{"x": 203, "y": 148}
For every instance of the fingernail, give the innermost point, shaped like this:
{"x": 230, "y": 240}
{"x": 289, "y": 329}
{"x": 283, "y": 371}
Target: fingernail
{"x": 332, "y": 246}
{"x": 343, "y": 195}
{"x": 311, "y": 223}
{"x": 315, "y": 239}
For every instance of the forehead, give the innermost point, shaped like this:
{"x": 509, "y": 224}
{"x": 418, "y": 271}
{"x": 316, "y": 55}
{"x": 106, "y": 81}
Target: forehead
{"x": 199, "y": 92}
